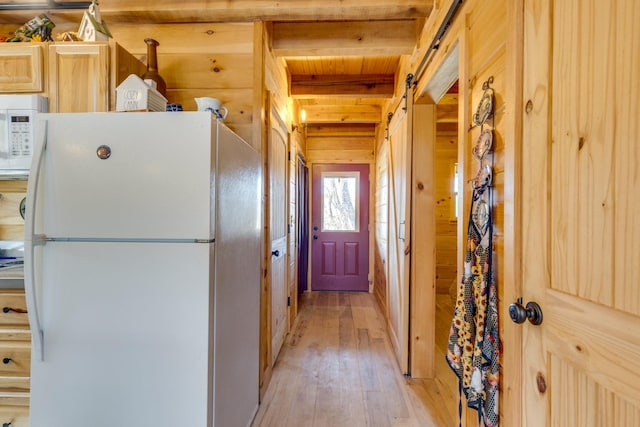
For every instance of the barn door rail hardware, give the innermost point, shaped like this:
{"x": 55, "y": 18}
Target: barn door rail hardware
{"x": 386, "y": 130}
{"x": 409, "y": 83}
{"x": 49, "y": 4}
{"x": 435, "y": 43}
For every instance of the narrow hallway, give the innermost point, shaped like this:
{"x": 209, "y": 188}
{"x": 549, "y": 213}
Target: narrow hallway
{"x": 337, "y": 368}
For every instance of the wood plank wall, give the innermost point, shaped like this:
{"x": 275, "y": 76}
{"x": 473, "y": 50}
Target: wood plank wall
{"x": 195, "y": 60}
{"x": 483, "y": 53}
{"x": 446, "y": 223}
{"x": 381, "y": 246}
{"x": 340, "y": 143}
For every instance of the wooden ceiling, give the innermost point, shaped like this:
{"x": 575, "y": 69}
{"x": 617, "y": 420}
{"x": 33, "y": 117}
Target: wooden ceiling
{"x": 342, "y": 55}
{"x": 343, "y": 71}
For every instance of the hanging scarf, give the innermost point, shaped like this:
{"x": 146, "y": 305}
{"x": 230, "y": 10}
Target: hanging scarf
{"x": 474, "y": 345}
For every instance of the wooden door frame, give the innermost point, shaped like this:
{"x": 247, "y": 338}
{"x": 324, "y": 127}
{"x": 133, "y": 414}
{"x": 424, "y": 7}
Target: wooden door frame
{"x": 423, "y": 275}
{"x": 511, "y": 412}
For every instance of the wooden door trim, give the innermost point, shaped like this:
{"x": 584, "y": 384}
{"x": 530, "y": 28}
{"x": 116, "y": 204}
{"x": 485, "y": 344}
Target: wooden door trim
{"x": 511, "y": 334}
{"x": 422, "y": 311}
{"x": 535, "y": 203}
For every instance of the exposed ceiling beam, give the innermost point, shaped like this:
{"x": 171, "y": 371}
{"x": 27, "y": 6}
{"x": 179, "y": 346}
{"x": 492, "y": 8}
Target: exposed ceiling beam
{"x": 343, "y": 113}
{"x": 164, "y": 11}
{"x": 395, "y": 37}
{"x": 341, "y": 86}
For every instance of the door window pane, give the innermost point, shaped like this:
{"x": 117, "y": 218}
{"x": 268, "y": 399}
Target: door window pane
{"x": 340, "y": 201}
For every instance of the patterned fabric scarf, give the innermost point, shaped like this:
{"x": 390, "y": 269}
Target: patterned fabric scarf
{"x": 474, "y": 345}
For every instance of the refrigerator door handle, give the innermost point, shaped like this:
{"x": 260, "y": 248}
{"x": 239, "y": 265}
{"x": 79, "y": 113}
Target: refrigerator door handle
{"x": 31, "y": 240}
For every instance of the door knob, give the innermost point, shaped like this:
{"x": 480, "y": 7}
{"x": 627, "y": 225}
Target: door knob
{"x": 275, "y": 253}
{"x": 315, "y": 237}
{"x": 315, "y": 228}
{"x": 519, "y": 314}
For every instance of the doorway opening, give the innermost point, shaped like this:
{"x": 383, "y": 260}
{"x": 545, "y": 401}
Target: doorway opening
{"x": 448, "y": 215}
{"x": 302, "y": 205}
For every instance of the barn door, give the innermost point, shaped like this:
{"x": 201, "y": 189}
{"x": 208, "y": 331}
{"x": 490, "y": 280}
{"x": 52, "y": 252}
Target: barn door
{"x": 399, "y": 165}
{"x": 278, "y": 231}
{"x": 581, "y": 212}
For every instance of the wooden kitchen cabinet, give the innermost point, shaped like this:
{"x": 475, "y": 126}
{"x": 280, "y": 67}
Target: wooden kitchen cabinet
{"x": 83, "y": 76}
{"x": 15, "y": 358}
{"x": 21, "y": 68}
{"x": 78, "y": 77}
{"x": 75, "y": 76}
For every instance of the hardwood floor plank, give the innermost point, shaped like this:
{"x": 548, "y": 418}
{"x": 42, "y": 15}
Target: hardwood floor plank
{"x": 337, "y": 368}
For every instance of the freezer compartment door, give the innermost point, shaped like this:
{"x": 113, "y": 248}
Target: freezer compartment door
{"x": 127, "y": 175}
{"x": 127, "y": 335}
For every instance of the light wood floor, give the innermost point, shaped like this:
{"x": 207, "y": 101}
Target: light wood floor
{"x": 337, "y": 368}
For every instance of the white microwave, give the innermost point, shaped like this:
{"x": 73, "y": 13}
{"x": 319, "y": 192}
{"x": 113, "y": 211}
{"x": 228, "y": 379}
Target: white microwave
{"x": 17, "y": 129}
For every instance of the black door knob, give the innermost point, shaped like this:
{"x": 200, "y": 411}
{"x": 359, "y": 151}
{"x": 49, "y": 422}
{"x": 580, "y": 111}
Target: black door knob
{"x": 531, "y": 312}
{"x": 315, "y": 237}
{"x": 315, "y": 228}
{"x": 275, "y": 253}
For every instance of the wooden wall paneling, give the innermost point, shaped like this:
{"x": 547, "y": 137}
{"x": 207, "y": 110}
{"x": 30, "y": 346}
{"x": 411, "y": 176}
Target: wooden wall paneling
{"x": 260, "y": 98}
{"x": 202, "y": 59}
{"x": 342, "y": 156}
{"x": 465, "y": 112}
{"x": 344, "y": 130}
{"x": 344, "y": 114}
{"x": 423, "y": 249}
{"x": 340, "y": 143}
{"x": 192, "y": 38}
{"x": 337, "y": 149}
{"x": 446, "y": 155}
{"x": 11, "y": 223}
{"x": 381, "y": 223}
{"x": 218, "y": 71}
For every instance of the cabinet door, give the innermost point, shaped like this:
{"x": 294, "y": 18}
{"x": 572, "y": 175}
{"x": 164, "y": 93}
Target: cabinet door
{"x": 78, "y": 77}
{"x": 21, "y": 67}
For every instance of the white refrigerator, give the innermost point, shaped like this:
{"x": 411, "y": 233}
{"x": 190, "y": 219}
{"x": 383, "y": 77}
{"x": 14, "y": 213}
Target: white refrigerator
{"x": 142, "y": 271}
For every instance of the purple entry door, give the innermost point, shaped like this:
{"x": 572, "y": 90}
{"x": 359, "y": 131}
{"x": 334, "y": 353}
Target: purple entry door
{"x": 340, "y": 227}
